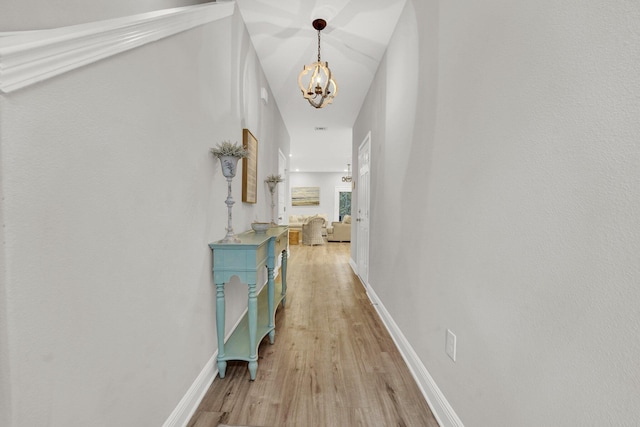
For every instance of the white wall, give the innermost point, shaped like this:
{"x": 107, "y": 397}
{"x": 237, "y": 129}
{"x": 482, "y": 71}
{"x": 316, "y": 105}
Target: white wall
{"x": 327, "y": 181}
{"x": 5, "y": 395}
{"x": 321, "y": 151}
{"x": 508, "y": 134}
{"x": 110, "y": 198}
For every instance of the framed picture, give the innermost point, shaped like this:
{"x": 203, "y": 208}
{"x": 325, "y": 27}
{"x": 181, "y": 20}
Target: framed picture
{"x": 250, "y": 168}
{"x": 305, "y": 196}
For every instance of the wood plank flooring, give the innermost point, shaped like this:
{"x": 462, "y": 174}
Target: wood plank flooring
{"x": 333, "y": 363}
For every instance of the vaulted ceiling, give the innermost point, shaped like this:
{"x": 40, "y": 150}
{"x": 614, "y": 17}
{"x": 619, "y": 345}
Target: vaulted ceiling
{"x": 353, "y": 43}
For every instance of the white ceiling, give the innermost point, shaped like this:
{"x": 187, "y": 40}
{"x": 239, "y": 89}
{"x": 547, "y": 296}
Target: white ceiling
{"x": 353, "y": 43}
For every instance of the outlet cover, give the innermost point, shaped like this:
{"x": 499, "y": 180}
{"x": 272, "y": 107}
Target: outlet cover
{"x": 450, "y": 345}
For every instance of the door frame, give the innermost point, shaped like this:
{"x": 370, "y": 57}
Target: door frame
{"x": 363, "y": 212}
{"x": 281, "y": 217}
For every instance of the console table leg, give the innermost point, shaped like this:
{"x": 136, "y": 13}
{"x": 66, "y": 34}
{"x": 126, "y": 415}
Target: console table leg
{"x": 220, "y": 313}
{"x": 253, "y": 369}
{"x": 253, "y": 327}
{"x": 284, "y": 277}
{"x": 222, "y": 368}
{"x": 270, "y": 301}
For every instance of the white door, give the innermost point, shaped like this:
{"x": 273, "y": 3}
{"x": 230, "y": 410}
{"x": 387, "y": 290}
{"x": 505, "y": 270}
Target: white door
{"x": 362, "y": 215}
{"x": 281, "y": 188}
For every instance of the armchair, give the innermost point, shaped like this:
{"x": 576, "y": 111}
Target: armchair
{"x": 312, "y": 232}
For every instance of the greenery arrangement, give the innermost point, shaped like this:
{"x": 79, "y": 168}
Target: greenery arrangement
{"x": 274, "y": 178}
{"x": 226, "y": 148}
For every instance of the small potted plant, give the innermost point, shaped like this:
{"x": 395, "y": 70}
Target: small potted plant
{"x": 272, "y": 181}
{"x": 229, "y": 154}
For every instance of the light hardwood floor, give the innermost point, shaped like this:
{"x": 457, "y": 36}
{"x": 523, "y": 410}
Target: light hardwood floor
{"x": 333, "y": 363}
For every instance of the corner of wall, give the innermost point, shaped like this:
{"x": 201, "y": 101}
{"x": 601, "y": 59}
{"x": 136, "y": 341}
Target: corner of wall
{"x": 190, "y": 401}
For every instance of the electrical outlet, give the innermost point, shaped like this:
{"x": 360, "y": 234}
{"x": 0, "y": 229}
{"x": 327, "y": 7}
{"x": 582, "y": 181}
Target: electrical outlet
{"x": 450, "y": 345}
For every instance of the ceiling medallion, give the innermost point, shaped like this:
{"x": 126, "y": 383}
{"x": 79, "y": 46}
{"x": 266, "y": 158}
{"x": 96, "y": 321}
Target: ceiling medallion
{"x": 315, "y": 81}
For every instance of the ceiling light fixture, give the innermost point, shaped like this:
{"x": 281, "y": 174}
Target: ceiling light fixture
{"x": 319, "y": 88}
{"x": 347, "y": 178}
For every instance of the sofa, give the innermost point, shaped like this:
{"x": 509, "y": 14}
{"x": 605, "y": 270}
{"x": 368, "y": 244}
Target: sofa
{"x": 296, "y": 221}
{"x": 340, "y": 231}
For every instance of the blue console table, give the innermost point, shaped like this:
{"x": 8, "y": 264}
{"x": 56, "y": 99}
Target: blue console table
{"x": 254, "y": 252}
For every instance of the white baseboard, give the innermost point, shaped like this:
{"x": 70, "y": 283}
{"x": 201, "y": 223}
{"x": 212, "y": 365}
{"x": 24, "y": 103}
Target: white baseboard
{"x": 354, "y": 266}
{"x": 182, "y": 413}
{"x": 443, "y": 412}
{"x": 190, "y": 401}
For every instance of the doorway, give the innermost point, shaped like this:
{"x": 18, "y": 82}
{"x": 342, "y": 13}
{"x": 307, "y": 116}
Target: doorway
{"x": 342, "y": 202}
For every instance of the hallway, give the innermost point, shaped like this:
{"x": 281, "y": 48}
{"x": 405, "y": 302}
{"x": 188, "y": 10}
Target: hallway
{"x": 333, "y": 363}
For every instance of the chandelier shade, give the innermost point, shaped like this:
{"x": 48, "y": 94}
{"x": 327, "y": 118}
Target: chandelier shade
{"x": 316, "y": 81}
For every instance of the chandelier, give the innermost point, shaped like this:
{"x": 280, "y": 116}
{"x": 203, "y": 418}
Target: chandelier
{"x": 347, "y": 178}
{"x": 315, "y": 81}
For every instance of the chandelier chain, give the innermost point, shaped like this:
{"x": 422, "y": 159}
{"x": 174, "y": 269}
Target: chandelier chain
{"x": 318, "y": 45}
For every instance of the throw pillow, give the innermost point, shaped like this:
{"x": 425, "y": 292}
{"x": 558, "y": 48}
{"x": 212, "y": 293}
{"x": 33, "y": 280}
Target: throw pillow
{"x": 346, "y": 219}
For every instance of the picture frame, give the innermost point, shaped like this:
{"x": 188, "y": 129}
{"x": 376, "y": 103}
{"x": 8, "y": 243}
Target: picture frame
{"x": 250, "y": 168}
{"x": 305, "y": 196}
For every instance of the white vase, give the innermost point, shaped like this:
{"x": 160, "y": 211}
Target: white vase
{"x": 229, "y": 165}
{"x": 272, "y": 189}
